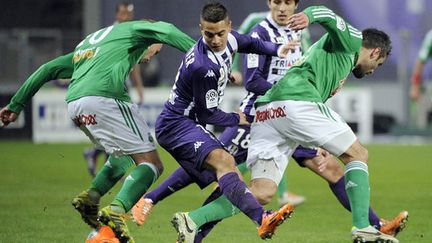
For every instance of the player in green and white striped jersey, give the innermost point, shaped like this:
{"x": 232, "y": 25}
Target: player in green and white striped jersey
{"x": 284, "y": 196}
{"x": 293, "y": 112}
{"x": 98, "y": 102}
{"x": 421, "y": 92}
{"x": 424, "y": 54}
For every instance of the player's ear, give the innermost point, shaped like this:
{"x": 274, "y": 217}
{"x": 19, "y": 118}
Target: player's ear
{"x": 375, "y": 53}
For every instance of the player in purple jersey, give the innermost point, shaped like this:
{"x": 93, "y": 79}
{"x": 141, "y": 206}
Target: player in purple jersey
{"x": 193, "y": 103}
{"x": 261, "y": 72}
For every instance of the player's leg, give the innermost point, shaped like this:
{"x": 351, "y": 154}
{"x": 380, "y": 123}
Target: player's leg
{"x": 118, "y": 127}
{"x": 325, "y": 128}
{"x": 87, "y": 202}
{"x": 178, "y": 180}
{"x": 334, "y": 175}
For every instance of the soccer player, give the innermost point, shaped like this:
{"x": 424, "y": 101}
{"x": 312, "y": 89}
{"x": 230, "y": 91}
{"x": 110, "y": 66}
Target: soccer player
{"x": 99, "y": 104}
{"x": 284, "y": 196}
{"x": 193, "y": 103}
{"x": 261, "y": 72}
{"x": 293, "y": 112}
{"x": 425, "y": 53}
{"x": 124, "y": 12}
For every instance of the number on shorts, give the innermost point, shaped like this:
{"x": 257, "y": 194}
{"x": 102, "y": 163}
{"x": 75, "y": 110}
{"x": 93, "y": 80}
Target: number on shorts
{"x": 244, "y": 143}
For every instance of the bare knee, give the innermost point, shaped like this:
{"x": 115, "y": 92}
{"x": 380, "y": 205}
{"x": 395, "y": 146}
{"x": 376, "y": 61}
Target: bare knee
{"x": 263, "y": 190}
{"x": 151, "y": 157}
{"x": 355, "y": 153}
{"x": 221, "y": 161}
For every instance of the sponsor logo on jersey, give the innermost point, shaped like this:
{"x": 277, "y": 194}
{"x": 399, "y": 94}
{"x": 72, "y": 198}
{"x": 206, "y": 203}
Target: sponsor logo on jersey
{"x": 211, "y": 98}
{"x": 197, "y": 145}
{"x": 210, "y": 74}
{"x": 85, "y": 120}
{"x": 338, "y": 88}
{"x": 88, "y": 53}
{"x": 270, "y": 113}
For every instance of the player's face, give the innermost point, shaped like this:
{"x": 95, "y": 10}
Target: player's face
{"x": 216, "y": 34}
{"x": 124, "y": 13}
{"x": 368, "y": 65}
{"x": 281, "y": 10}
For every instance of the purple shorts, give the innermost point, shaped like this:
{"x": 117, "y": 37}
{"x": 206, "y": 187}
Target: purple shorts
{"x": 189, "y": 143}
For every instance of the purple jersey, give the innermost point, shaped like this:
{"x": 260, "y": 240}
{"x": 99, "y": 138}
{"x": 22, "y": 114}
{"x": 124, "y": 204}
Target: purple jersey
{"x": 203, "y": 76}
{"x": 261, "y": 71}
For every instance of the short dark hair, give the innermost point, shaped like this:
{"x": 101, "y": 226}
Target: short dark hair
{"x": 214, "y": 12}
{"x": 374, "y": 38}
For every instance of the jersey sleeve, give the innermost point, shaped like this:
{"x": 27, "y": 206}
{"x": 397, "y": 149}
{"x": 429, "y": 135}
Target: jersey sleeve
{"x": 306, "y": 40}
{"x": 255, "y": 80}
{"x": 248, "y": 23}
{"x": 247, "y": 44}
{"x": 61, "y": 67}
{"x": 166, "y": 33}
{"x": 343, "y": 36}
{"x": 206, "y": 100}
{"x": 426, "y": 48}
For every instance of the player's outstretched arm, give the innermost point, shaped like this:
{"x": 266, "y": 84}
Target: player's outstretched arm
{"x": 61, "y": 67}
{"x": 166, "y": 33}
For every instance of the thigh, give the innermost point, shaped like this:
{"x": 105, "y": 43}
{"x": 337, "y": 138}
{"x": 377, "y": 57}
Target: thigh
{"x": 114, "y": 125}
{"x": 186, "y": 140}
{"x": 313, "y": 125}
{"x": 236, "y": 140}
{"x": 268, "y": 152}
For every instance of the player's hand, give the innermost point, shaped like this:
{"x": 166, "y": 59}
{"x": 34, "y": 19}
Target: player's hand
{"x": 236, "y": 78}
{"x": 243, "y": 120}
{"x": 151, "y": 52}
{"x": 321, "y": 159}
{"x": 298, "y": 21}
{"x": 415, "y": 92}
{"x": 288, "y": 47}
{"x": 7, "y": 116}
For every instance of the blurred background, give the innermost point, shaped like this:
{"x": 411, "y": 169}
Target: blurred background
{"x": 378, "y": 107}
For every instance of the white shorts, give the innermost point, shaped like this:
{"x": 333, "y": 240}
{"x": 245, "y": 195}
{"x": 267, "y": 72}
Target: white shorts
{"x": 113, "y": 125}
{"x": 281, "y": 126}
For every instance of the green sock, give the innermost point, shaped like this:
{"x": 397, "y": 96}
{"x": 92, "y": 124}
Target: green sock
{"x": 242, "y": 168}
{"x": 358, "y": 190}
{"x": 112, "y": 171}
{"x": 218, "y": 209}
{"x": 135, "y": 185}
{"x": 283, "y": 186}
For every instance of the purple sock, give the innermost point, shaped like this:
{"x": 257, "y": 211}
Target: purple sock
{"x": 339, "y": 191}
{"x": 237, "y": 192}
{"x": 178, "y": 180}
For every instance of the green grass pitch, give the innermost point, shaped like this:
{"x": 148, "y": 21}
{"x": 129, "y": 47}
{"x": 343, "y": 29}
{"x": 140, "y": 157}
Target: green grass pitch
{"x": 37, "y": 183}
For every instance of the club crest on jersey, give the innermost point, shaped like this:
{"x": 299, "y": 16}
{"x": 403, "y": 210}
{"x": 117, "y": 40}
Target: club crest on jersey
{"x": 340, "y": 23}
{"x": 211, "y": 98}
{"x": 270, "y": 113}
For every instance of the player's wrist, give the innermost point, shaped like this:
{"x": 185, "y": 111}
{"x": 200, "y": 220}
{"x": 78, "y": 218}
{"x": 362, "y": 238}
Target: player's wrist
{"x": 416, "y": 80}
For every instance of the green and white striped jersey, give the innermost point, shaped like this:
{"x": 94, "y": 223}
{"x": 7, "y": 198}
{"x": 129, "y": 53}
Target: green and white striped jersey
{"x": 101, "y": 62}
{"x": 426, "y": 48}
{"x": 324, "y": 68}
{"x": 103, "y": 59}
